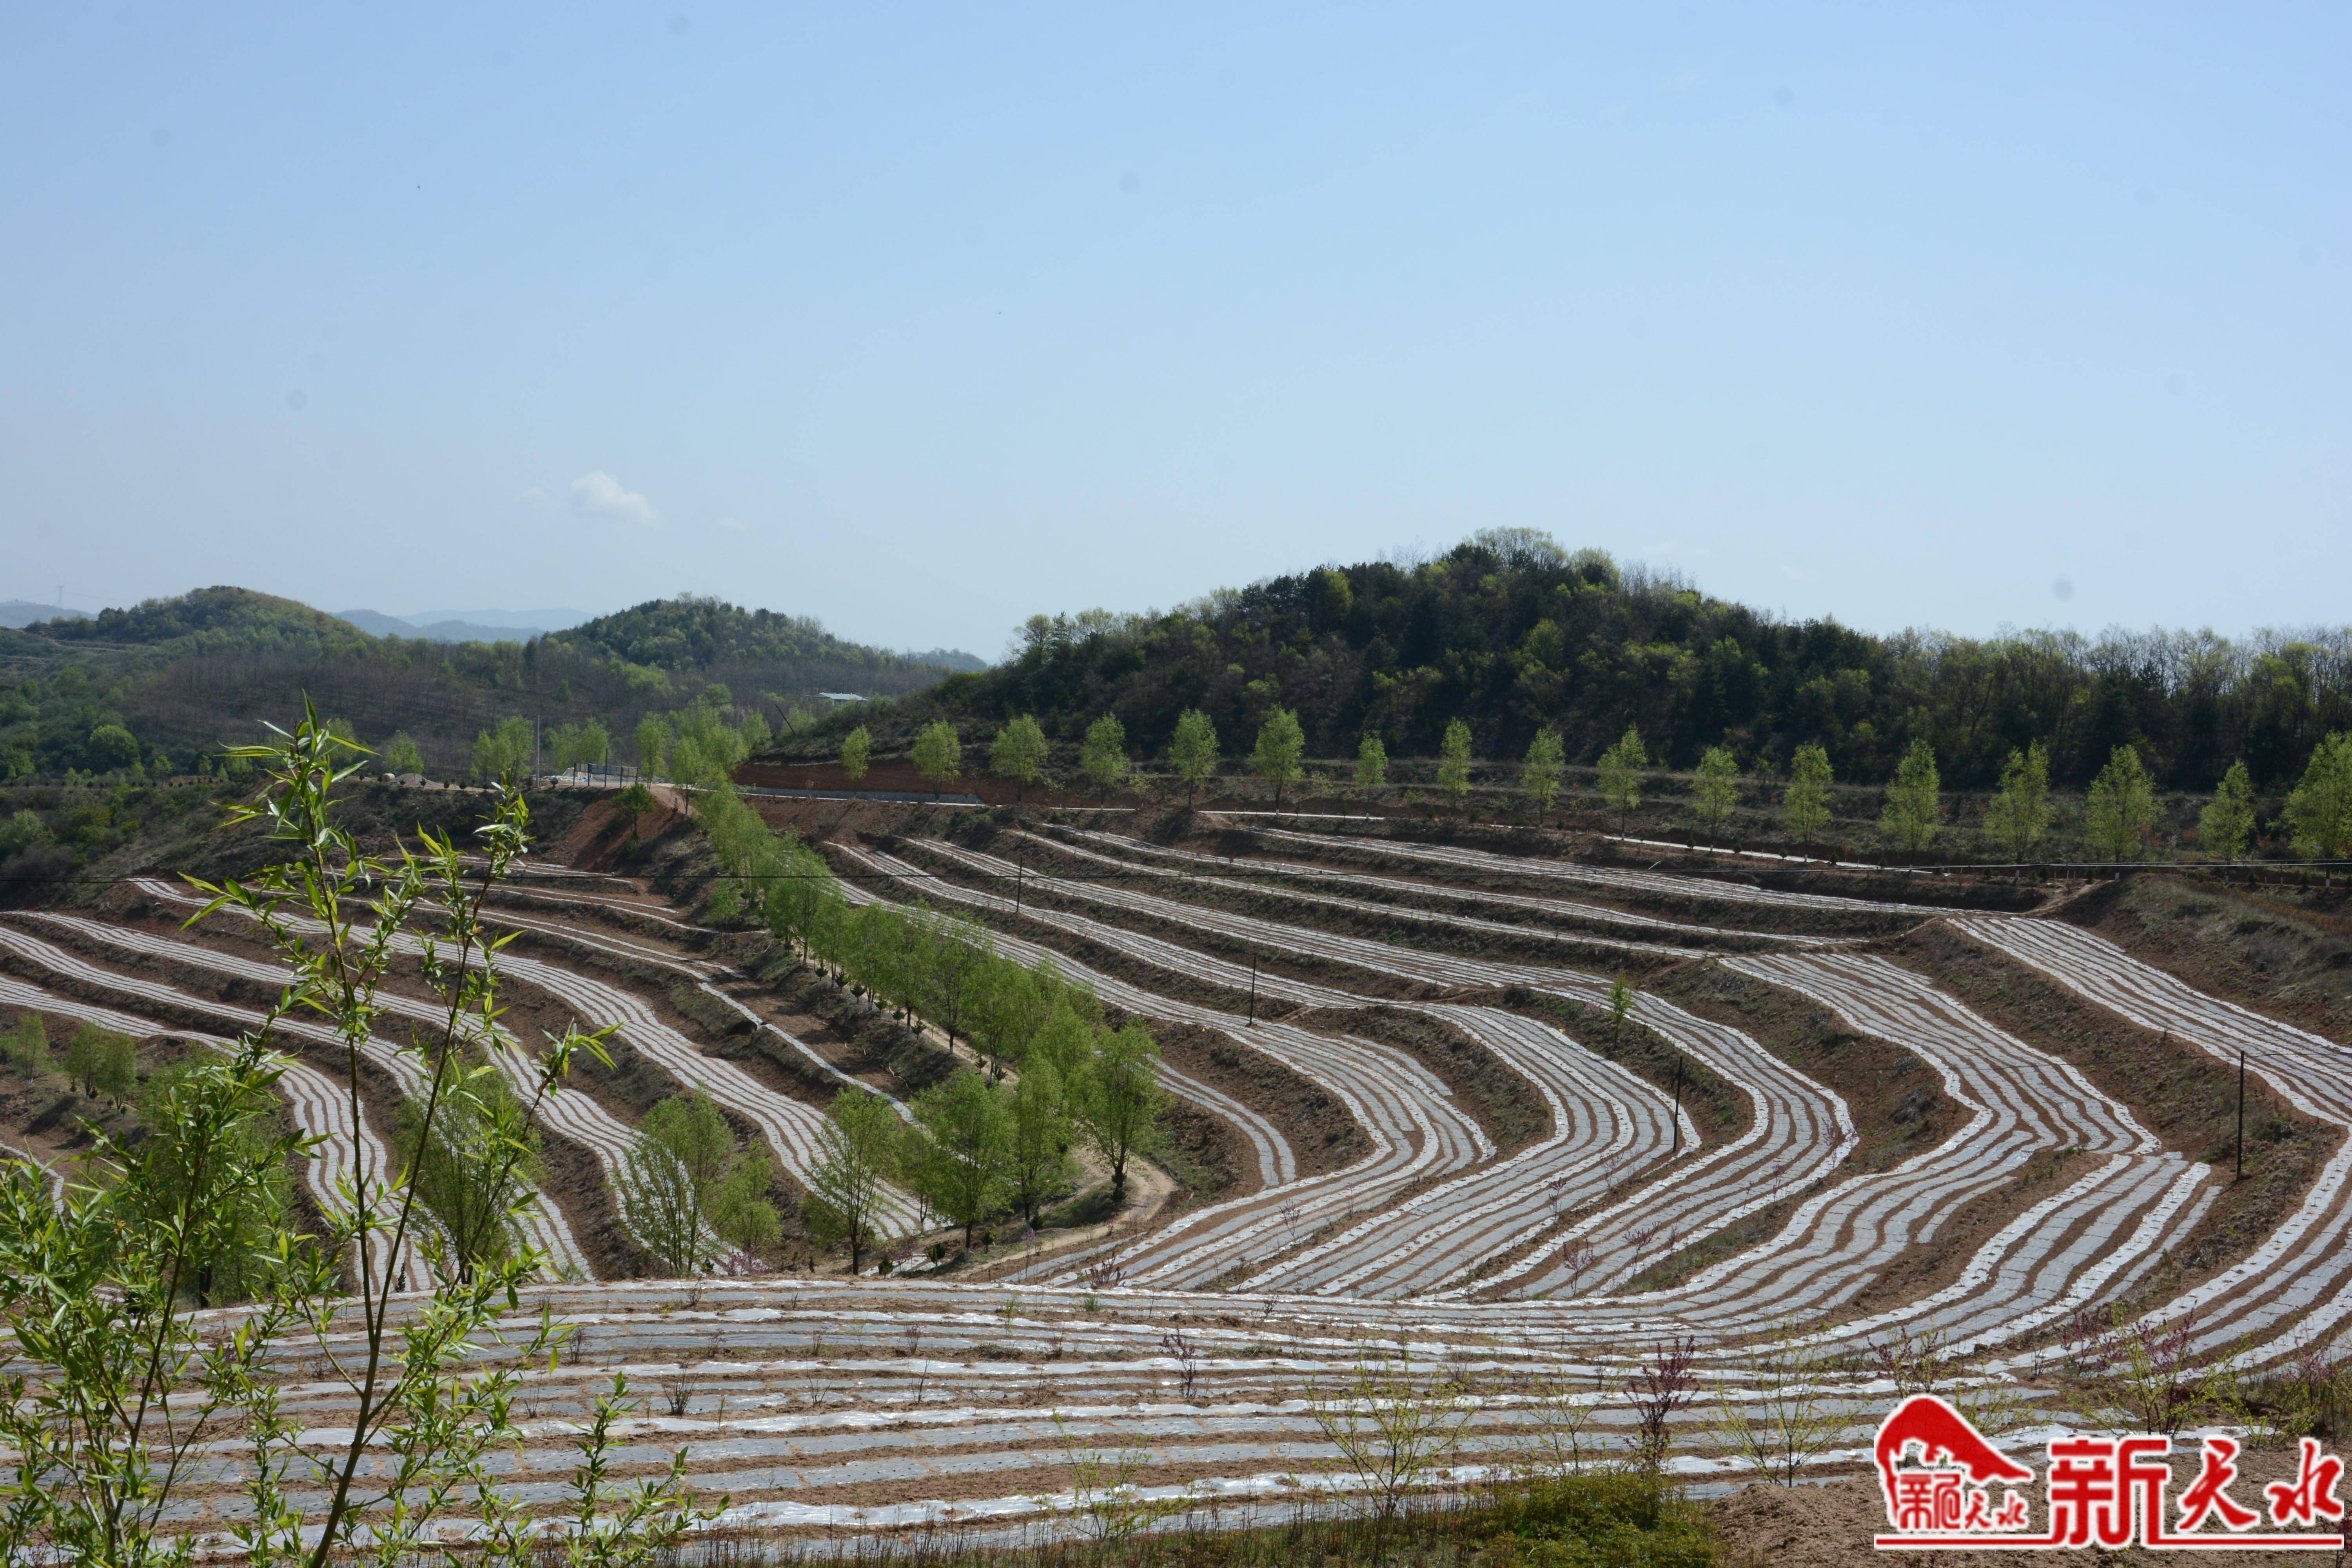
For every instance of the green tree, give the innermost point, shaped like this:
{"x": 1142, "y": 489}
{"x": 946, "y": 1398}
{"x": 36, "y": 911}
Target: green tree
{"x": 1539, "y": 775}
{"x": 2020, "y": 808}
{"x": 857, "y": 748}
{"x": 1037, "y": 1156}
{"x": 452, "y": 1152}
{"x": 2319, "y": 810}
{"x": 1714, "y": 788}
{"x": 1915, "y": 801}
{"x": 1194, "y": 750}
{"x": 26, "y": 1047}
{"x": 1805, "y": 807}
{"x": 401, "y": 755}
{"x": 234, "y": 1262}
{"x": 2120, "y": 807}
{"x": 2227, "y": 824}
{"x": 578, "y": 746}
{"x": 109, "y": 746}
{"x": 1454, "y": 761}
{"x": 103, "y": 1062}
{"x": 22, "y": 831}
{"x": 938, "y": 754}
{"x": 956, "y": 1162}
{"x": 1103, "y": 757}
{"x": 1119, "y": 1100}
{"x": 1372, "y": 763}
{"x": 689, "y": 1188}
{"x": 1012, "y": 1005}
{"x": 653, "y": 745}
{"x": 1621, "y": 775}
{"x": 1019, "y": 753}
{"x": 849, "y": 1188}
{"x": 503, "y": 753}
{"x": 1280, "y": 744}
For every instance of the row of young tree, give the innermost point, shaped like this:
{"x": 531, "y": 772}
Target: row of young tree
{"x": 1048, "y": 1075}
{"x": 2120, "y": 809}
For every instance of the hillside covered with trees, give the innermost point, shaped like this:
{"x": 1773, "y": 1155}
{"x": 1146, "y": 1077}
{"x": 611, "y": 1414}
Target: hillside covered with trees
{"x": 155, "y": 687}
{"x": 1509, "y": 634}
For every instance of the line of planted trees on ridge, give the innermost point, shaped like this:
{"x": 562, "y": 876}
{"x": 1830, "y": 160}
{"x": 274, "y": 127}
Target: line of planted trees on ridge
{"x": 2120, "y": 809}
{"x": 1041, "y": 1074}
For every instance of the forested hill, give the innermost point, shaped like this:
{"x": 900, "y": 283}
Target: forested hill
{"x": 698, "y": 633}
{"x": 1509, "y": 632}
{"x": 205, "y": 619}
{"x": 171, "y": 679}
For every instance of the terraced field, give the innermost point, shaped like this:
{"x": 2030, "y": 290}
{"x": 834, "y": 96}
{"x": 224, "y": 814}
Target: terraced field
{"x": 1531, "y": 1197}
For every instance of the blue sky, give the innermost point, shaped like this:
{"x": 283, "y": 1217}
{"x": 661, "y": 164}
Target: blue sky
{"x": 920, "y": 320}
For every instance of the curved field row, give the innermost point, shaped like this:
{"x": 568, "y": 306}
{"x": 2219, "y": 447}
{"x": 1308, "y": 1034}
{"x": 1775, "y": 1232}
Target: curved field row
{"x": 1797, "y": 1134}
{"x": 543, "y": 1224}
{"x": 1838, "y": 1240}
{"x": 1360, "y": 906}
{"x": 1666, "y": 884}
{"x": 793, "y": 1130}
{"x": 2302, "y": 1272}
{"x": 1563, "y": 908}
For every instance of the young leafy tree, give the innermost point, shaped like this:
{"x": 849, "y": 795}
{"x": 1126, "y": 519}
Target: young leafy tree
{"x": 1119, "y": 1100}
{"x": 1621, "y": 775}
{"x": 1104, "y": 756}
{"x": 849, "y": 1187}
{"x": 2227, "y": 824}
{"x": 401, "y": 755}
{"x": 1280, "y": 744}
{"x": 1714, "y": 788}
{"x": 1454, "y": 761}
{"x": 1915, "y": 801}
{"x": 234, "y": 1262}
{"x": 1539, "y": 775}
{"x": 1065, "y": 1042}
{"x": 2120, "y": 806}
{"x": 653, "y": 745}
{"x": 856, "y": 750}
{"x": 938, "y": 754}
{"x": 1193, "y": 751}
{"x": 956, "y": 1160}
{"x": 2319, "y": 810}
{"x": 689, "y": 1187}
{"x": 455, "y": 1167}
{"x": 1037, "y": 1157}
{"x": 954, "y": 969}
{"x": 1372, "y": 763}
{"x": 1805, "y": 807}
{"x": 1019, "y": 753}
{"x": 2020, "y": 808}
{"x": 104, "y": 1063}
{"x": 26, "y": 1047}
{"x": 1010, "y": 1007}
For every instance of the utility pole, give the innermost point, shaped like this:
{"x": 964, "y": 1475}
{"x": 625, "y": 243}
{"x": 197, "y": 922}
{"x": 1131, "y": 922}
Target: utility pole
{"x": 1018, "y": 869}
{"x": 1679, "y": 1106}
{"x": 1253, "y": 1001}
{"x": 2242, "y": 1114}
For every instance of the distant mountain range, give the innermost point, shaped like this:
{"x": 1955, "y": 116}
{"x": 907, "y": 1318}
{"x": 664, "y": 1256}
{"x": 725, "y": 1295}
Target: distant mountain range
{"x": 464, "y": 625}
{"x": 24, "y": 613}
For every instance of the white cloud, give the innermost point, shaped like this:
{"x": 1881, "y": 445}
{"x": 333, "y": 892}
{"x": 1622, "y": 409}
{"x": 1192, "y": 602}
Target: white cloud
{"x": 731, "y": 524}
{"x": 602, "y": 497}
